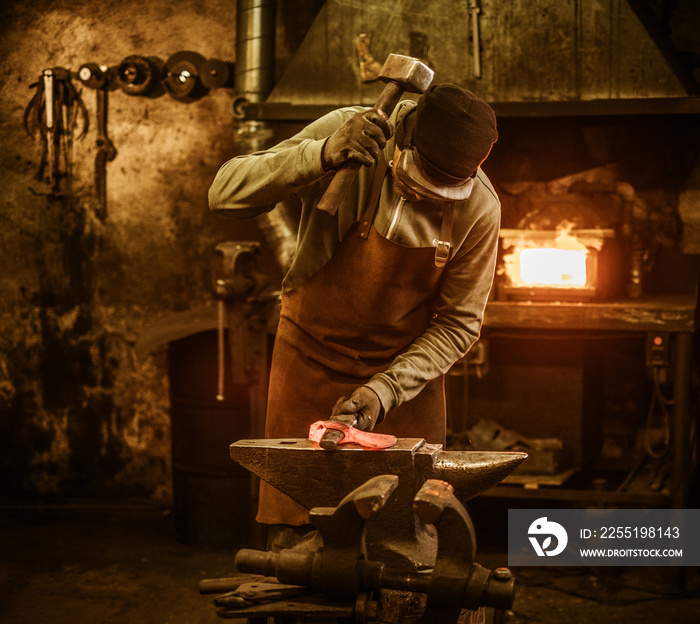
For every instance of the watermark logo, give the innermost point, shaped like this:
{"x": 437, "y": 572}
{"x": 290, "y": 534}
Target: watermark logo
{"x": 543, "y": 527}
{"x": 603, "y": 537}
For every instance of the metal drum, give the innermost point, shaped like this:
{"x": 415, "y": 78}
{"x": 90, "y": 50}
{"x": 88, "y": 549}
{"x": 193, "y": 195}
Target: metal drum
{"x": 211, "y": 493}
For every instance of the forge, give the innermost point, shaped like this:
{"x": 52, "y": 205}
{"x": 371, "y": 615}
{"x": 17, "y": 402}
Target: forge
{"x": 557, "y": 264}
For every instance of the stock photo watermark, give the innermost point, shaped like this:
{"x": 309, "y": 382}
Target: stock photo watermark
{"x": 604, "y": 537}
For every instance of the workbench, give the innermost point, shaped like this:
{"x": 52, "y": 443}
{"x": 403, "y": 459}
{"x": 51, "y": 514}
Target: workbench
{"x": 671, "y": 313}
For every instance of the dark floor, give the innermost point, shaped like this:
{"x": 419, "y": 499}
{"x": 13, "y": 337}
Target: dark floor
{"x": 108, "y": 564}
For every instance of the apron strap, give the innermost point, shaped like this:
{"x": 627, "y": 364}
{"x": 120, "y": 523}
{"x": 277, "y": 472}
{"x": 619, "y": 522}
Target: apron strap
{"x": 373, "y": 200}
{"x": 442, "y": 246}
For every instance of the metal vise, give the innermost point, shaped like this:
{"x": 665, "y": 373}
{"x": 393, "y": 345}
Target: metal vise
{"x": 395, "y": 535}
{"x": 239, "y": 292}
{"x": 335, "y": 562}
{"x": 245, "y": 307}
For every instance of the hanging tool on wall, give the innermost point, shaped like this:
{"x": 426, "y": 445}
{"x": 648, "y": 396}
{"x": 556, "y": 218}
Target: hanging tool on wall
{"x": 474, "y": 8}
{"x": 370, "y": 68}
{"x": 138, "y": 75}
{"x": 52, "y": 113}
{"x": 182, "y": 76}
{"x": 106, "y": 152}
{"x": 98, "y": 78}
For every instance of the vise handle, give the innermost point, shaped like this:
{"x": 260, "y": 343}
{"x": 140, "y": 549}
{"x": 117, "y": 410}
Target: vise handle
{"x": 296, "y": 568}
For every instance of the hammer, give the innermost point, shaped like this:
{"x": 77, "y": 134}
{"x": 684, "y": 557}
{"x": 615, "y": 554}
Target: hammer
{"x": 400, "y": 73}
{"x": 331, "y": 437}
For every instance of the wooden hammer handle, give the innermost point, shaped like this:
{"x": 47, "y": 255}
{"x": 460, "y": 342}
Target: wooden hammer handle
{"x": 343, "y": 179}
{"x": 339, "y": 186}
{"x": 389, "y": 98}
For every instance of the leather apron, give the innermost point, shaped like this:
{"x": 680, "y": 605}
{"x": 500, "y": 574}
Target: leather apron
{"x": 349, "y": 321}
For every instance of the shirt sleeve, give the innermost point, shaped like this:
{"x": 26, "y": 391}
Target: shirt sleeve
{"x": 458, "y": 313}
{"x": 252, "y": 184}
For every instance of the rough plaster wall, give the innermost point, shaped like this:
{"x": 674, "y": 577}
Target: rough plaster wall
{"x": 79, "y": 413}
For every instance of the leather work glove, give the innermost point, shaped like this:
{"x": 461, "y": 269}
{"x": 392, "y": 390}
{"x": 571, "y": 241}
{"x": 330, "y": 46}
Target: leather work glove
{"x": 359, "y": 139}
{"x": 362, "y": 410}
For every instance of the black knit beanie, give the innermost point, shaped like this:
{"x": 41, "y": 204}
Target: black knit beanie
{"x": 454, "y": 132}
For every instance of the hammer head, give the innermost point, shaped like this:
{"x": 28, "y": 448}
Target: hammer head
{"x": 409, "y": 73}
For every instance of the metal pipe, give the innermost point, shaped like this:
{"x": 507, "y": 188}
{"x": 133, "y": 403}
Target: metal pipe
{"x": 255, "y": 48}
{"x": 254, "y": 79}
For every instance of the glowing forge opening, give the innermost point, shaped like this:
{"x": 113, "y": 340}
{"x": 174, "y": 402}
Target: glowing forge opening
{"x": 561, "y": 264}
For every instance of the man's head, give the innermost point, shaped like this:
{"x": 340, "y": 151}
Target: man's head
{"x": 443, "y": 141}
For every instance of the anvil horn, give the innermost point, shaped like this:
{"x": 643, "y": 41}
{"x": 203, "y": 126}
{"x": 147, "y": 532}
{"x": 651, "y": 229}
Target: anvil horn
{"x": 473, "y": 472}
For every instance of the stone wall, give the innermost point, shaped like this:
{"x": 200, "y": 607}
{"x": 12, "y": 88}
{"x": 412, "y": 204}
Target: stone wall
{"x": 80, "y": 413}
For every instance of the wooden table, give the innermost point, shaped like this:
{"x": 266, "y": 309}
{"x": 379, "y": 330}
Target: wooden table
{"x": 674, "y": 314}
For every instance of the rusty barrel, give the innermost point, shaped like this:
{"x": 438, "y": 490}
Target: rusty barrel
{"x": 211, "y": 492}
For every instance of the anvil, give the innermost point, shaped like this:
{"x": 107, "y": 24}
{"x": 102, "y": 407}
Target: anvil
{"x": 315, "y": 477}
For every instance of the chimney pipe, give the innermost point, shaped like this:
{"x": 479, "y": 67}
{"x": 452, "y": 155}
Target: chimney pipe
{"x": 255, "y": 49}
{"x": 254, "y": 79}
